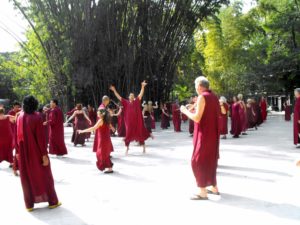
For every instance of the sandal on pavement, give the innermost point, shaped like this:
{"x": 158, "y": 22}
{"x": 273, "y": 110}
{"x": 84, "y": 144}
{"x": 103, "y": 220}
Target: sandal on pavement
{"x": 198, "y": 197}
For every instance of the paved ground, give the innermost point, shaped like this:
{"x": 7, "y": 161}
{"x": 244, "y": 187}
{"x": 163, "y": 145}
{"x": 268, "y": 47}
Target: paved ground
{"x": 257, "y": 177}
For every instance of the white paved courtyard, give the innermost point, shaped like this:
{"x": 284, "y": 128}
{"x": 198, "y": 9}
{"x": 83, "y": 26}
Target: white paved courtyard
{"x": 257, "y": 178}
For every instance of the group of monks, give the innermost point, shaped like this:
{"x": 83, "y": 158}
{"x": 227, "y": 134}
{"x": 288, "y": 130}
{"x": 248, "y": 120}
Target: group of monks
{"x": 34, "y": 133}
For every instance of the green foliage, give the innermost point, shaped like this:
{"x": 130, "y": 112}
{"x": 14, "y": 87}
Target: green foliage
{"x": 255, "y": 52}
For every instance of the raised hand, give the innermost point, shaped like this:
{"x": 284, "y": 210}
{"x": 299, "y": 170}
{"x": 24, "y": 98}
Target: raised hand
{"x": 112, "y": 88}
{"x": 144, "y": 83}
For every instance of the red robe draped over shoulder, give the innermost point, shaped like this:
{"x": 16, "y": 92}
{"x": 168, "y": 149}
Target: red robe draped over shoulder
{"x": 56, "y": 132}
{"x": 36, "y": 179}
{"x": 263, "y": 107}
{"x": 206, "y": 142}
{"x": 224, "y": 121}
{"x": 236, "y": 125}
{"x": 176, "y": 117}
{"x": 296, "y": 119}
{"x": 134, "y": 122}
{"x": 6, "y": 141}
{"x": 95, "y": 145}
{"x": 104, "y": 148}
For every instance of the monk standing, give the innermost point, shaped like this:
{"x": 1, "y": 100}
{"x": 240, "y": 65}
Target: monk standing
{"x": 176, "y": 116}
{"x": 236, "y": 125}
{"x": 35, "y": 171}
{"x": 297, "y": 117}
{"x": 287, "y": 110}
{"x": 206, "y": 139}
{"x": 103, "y": 105}
{"x": 263, "y": 106}
{"x": 134, "y": 123}
{"x": 56, "y": 134}
{"x": 224, "y": 117}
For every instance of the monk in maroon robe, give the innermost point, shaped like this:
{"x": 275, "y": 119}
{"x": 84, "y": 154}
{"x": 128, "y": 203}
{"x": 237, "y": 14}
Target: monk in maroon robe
{"x": 103, "y": 105}
{"x": 165, "y": 117}
{"x": 13, "y": 112}
{"x": 134, "y": 123}
{"x": 104, "y": 147}
{"x": 176, "y": 117}
{"x": 263, "y": 106}
{"x": 6, "y": 137}
{"x": 297, "y": 117}
{"x": 224, "y": 117}
{"x": 34, "y": 164}
{"x": 236, "y": 125}
{"x": 243, "y": 114}
{"x": 206, "y": 139}
{"x": 56, "y": 134}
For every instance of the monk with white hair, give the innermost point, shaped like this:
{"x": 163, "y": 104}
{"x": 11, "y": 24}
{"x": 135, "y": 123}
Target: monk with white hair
{"x": 206, "y": 139}
{"x": 224, "y": 117}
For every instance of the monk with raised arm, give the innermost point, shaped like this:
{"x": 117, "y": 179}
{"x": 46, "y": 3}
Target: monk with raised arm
{"x": 134, "y": 123}
{"x": 206, "y": 139}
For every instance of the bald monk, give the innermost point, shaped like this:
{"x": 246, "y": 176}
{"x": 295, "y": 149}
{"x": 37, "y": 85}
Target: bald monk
{"x": 134, "y": 123}
{"x": 297, "y": 117}
{"x": 56, "y": 134}
{"x": 206, "y": 139}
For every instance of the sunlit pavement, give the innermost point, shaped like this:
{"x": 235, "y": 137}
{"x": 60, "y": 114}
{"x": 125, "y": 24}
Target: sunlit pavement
{"x": 257, "y": 178}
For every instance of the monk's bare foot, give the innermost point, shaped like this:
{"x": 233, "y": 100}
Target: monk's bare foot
{"x": 16, "y": 173}
{"x": 126, "y": 152}
{"x": 298, "y": 163}
{"x": 152, "y": 136}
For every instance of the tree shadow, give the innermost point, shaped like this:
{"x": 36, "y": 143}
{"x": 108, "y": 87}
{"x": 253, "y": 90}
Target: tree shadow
{"x": 286, "y": 211}
{"x": 59, "y": 215}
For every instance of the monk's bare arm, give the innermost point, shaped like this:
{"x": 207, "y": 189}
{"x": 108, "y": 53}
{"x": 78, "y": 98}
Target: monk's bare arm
{"x": 91, "y": 129}
{"x": 113, "y": 89}
{"x": 74, "y": 114}
{"x": 87, "y": 118}
{"x": 199, "y": 110}
{"x": 142, "y": 90}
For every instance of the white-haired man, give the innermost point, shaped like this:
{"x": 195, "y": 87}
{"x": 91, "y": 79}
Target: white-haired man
{"x": 206, "y": 139}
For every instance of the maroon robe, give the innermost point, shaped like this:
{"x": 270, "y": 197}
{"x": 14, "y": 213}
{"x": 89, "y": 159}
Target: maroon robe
{"x": 296, "y": 119}
{"x": 148, "y": 121}
{"x": 6, "y": 141}
{"x": 134, "y": 123}
{"x": 263, "y": 107}
{"x": 121, "y": 125}
{"x": 80, "y": 123}
{"x": 243, "y": 117}
{"x": 184, "y": 118}
{"x": 56, "y": 134}
{"x": 13, "y": 127}
{"x": 104, "y": 148}
{"x": 36, "y": 179}
{"x": 287, "y": 112}
{"x": 165, "y": 120}
{"x": 224, "y": 121}
{"x": 95, "y": 145}
{"x": 176, "y": 117}
{"x": 236, "y": 126}
{"x": 250, "y": 116}
{"x": 206, "y": 143}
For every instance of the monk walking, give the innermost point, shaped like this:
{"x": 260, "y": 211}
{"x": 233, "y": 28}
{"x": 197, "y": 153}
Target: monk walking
{"x": 34, "y": 164}
{"x": 236, "y": 125}
{"x": 263, "y": 106}
{"x": 297, "y": 117}
{"x": 206, "y": 139}
{"x": 6, "y": 137}
{"x": 134, "y": 123}
{"x": 56, "y": 132}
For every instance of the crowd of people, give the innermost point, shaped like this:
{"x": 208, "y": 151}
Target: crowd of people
{"x": 34, "y": 133}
